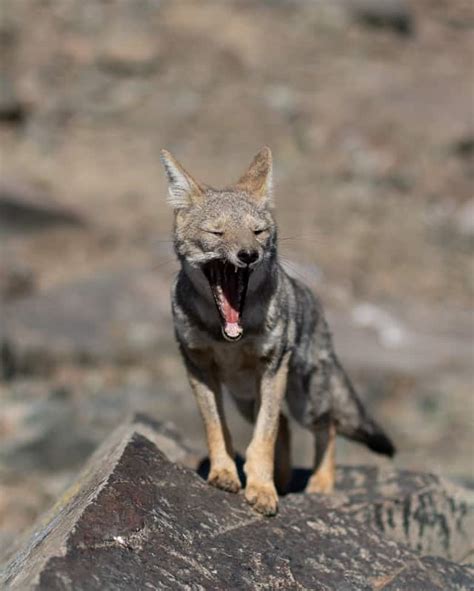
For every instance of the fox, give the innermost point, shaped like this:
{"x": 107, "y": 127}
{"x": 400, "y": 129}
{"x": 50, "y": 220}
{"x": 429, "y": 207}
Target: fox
{"x": 245, "y": 327}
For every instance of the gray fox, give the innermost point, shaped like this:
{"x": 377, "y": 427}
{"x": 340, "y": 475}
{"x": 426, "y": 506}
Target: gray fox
{"x": 245, "y": 326}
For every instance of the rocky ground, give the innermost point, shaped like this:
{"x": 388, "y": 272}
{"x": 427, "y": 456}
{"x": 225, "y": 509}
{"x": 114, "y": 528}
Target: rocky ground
{"x": 369, "y": 115}
{"x": 133, "y": 519}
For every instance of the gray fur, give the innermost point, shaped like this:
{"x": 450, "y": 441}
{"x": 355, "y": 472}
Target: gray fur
{"x": 281, "y": 317}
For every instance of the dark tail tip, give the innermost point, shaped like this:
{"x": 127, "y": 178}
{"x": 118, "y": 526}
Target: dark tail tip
{"x": 373, "y": 436}
{"x": 381, "y": 444}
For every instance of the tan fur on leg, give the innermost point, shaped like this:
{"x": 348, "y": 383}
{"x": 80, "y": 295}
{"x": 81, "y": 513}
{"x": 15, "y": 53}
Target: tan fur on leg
{"x": 260, "y": 491}
{"x": 322, "y": 480}
{"x": 223, "y": 472}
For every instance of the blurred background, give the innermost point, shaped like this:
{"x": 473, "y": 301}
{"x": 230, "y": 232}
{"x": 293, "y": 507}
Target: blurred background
{"x": 368, "y": 108}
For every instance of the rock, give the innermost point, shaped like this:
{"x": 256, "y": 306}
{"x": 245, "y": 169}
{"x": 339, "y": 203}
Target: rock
{"x": 464, "y": 147}
{"x": 112, "y": 315}
{"x": 45, "y": 432}
{"x": 127, "y": 53}
{"x": 464, "y": 219}
{"x": 423, "y": 511}
{"x": 135, "y": 520}
{"x": 15, "y": 281}
{"x": 12, "y": 109}
{"x": 388, "y": 14}
{"x": 412, "y": 341}
{"x": 7, "y": 361}
{"x": 41, "y": 458}
{"x": 25, "y": 208}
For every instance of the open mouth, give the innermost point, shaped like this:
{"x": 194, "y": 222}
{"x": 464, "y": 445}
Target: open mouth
{"x": 229, "y": 286}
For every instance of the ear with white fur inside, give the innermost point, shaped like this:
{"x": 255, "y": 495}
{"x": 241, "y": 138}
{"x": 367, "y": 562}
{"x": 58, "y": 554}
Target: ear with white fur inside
{"x": 258, "y": 180}
{"x": 183, "y": 190}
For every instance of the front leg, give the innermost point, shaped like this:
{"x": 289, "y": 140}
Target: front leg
{"x": 260, "y": 491}
{"x": 207, "y": 390}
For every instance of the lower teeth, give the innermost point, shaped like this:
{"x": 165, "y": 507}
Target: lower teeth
{"x": 234, "y": 334}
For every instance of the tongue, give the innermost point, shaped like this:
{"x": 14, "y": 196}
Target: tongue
{"x": 231, "y": 314}
{"x": 231, "y": 304}
{"x": 232, "y": 327}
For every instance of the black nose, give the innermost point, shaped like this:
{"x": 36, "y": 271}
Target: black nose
{"x": 247, "y": 256}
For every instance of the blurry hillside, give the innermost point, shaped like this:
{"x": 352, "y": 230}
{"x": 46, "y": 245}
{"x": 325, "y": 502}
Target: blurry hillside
{"x": 368, "y": 108}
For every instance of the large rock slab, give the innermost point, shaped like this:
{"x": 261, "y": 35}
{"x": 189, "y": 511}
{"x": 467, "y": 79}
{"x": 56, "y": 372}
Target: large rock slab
{"x": 136, "y": 520}
{"x": 429, "y": 514}
{"x": 113, "y": 315}
{"x": 25, "y": 208}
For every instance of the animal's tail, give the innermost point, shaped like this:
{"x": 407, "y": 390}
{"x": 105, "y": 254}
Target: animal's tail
{"x": 373, "y": 436}
{"x": 352, "y": 419}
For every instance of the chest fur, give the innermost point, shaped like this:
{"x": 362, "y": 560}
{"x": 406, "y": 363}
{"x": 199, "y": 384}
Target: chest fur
{"x": 238, "y": 366}
{"x": 239, "y": 369}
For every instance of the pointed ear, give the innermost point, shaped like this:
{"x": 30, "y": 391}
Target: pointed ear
{"x": 183, "y": 190}
{"x": 258, "y": 180}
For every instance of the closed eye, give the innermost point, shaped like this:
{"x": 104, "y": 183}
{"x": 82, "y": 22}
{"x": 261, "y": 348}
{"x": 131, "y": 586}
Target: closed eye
{"x": 260, "y": 231}
{"x": 215, "y": 232}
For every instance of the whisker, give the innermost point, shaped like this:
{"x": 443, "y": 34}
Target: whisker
{"x": 290, "y": 265}
{"x": 301, "y": 238}
{"x": 296, "y": 250}
{"x": 161, "y": 264}
{"x": 171, "y": 273}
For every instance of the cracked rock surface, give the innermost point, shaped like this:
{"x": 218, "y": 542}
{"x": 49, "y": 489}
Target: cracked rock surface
{"x": 135, "y": 519}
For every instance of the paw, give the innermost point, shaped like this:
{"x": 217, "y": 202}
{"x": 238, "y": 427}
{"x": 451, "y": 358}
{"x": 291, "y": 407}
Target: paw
{"x": 225, "y": 479}
{"x": 263, "y": 498}
{"x": 321, "y": 482}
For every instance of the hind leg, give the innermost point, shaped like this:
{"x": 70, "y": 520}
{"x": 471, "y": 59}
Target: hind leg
{"x": 322, "y": 480}
{"x": 282, "y": 471}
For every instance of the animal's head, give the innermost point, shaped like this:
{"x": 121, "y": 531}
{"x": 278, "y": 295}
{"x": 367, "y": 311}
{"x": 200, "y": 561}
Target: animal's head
{"x": 226, "y": 234}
